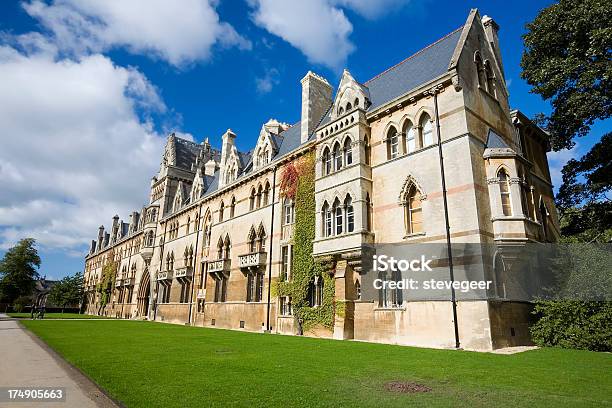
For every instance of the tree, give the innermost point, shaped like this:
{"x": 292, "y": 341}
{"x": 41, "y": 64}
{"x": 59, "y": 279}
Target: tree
{"x": 567, "y": 61}
{"x": 68, "y": 291}
{"x": 18, "y": 270}
{"x": 582, "y": 199}
{"x": 567, "y": 55}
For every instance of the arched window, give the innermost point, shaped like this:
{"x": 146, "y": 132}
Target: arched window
{"x": 410, "y": 137}
{"x": 426, "y": 131}
{"x": 207, "y": 231}
{"x": 252, "y": 199}
{"x": 220, "y": 254}
{"x": 479, "y": 69}
{"x": 356, "y": 103}
{"x": 490, "y": 78}
{"x": 367, "y": 150}
{"x": 221, "y": 209}
{"x": 266, "y": 193}
{"x": 504, "y": 191}
{"x": 348, "y": 151}
{"x": 337, "y": 157}
{"x": 188, "y": 225}
{"x": 350, "y": 214}
{"x": 326, "y": 160}
{"x": 232, "y": 207}
{"x": 349, "y": 106}
{"x": 227, "y": 245}
{"x": 339, "y": 216}
{"x": 252, "y": 241}
{"x": 259, "y": 194}
{"x": 392, "y": 143}
{"x": 340, "y": 111}
{"x": 261, "y": 240}
{"x": 327, "y": 220}
{"x": 414, "y": 223}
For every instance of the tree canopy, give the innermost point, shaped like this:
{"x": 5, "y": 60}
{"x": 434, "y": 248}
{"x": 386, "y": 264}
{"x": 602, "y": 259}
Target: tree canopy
{"x": 567, "y": 60}
{"x": 19, "y": 270}
{"x": 68, "y": 291}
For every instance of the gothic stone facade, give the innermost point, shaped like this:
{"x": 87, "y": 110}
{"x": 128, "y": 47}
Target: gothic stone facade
{"x": 216, "y": 231}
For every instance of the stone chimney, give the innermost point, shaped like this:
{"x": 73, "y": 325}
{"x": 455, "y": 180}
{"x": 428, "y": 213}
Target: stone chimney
{"x": 210, "y": 167}
{"x": 100, "y": 236}
{"x": 92, "y": 248}
{"x": 491, "y": 31}
{"x": 316, "y": 100}
{"x": 228, "y": 141}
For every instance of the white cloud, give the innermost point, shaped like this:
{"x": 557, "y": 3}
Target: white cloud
{"x": 74, "y": 150}
{"x": 179, "y": 33}
{"x": 372, "y": 9}
{"x": 556, "y": 161}
{"x": 315, "y": 27}
{"x": 265, "y": 83}
{"x": 318, "y": 28}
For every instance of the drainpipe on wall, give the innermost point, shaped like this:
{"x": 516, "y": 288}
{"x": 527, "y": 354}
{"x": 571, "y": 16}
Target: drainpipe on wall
{"x": 435, "y": 92}
{"x": 195, "y": 262}
{"x": 271, "y": 246}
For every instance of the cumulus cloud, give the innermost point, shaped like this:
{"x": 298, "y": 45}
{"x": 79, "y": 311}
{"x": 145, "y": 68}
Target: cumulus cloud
{"x": 74, "y": 148}
{"x": 320, "y": 29}
{"x": 177, "y": 33}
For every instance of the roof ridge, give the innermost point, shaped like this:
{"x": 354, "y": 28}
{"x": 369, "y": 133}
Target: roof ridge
{"x": 414, "y": 55}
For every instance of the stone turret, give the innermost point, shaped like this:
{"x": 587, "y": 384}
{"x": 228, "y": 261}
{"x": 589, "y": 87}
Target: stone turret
{"x": 316, "y": 100}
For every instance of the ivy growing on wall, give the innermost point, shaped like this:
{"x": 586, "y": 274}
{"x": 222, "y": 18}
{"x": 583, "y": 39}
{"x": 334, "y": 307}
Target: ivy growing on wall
{"x": 298, "y": 183}
{"x": 107, "y": 280}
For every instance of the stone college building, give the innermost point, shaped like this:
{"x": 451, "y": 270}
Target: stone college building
{"x": 428, "y": 151}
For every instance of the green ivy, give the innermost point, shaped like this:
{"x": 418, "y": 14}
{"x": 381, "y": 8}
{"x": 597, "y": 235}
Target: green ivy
{"x": 304, "y": 267}
{"x": 107, "y": 281}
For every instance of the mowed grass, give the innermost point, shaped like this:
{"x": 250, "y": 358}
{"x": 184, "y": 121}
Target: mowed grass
{"x": 144, "y": 364}
{"x": 58, "y": 316}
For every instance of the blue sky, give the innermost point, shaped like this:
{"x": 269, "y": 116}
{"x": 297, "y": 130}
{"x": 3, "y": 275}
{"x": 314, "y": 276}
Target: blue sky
{"x": 97, "y": 86}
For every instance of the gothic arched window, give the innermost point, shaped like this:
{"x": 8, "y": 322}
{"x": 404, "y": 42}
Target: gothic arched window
{"x": 504, "y": 191}
{"x": 350, "y": 214}
{"x": 413, "y": 215}
{"x": 348, "y": 152}
{"x": 426, "y": 131}
{"x": 392, "y": 143}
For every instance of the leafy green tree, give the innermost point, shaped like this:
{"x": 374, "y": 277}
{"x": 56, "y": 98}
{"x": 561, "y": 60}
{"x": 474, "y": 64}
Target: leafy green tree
{"x": 583, "y": 200}
{"x": 68, "y": 291}
{"x": 567, "y": 60}
{"x": 568, "y": 48}
{"x": 19, "y": 270}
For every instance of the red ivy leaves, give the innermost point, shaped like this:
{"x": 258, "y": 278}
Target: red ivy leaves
{"x": 289, "y": 181}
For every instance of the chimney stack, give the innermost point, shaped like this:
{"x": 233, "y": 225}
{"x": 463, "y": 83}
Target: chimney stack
{"x": 491, "y": 31}
{"x": 316, "y": 100}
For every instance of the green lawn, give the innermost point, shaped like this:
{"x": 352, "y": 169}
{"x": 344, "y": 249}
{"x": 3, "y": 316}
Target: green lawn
{"x": 58, "y": 316}
{"x": 146, "y": 364}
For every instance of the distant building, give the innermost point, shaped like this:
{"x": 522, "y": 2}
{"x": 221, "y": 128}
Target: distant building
{"x": 216, "y": 229}
{"x": 42, "y": 288}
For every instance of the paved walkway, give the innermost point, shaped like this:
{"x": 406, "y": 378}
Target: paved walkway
{"x": 25, "y": 362}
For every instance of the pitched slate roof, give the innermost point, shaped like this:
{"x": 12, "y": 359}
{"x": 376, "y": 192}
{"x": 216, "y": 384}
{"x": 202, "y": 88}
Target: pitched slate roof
{"x": 495, "y": 141}
{"x": 422, "y": 67}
